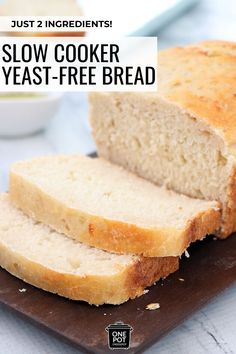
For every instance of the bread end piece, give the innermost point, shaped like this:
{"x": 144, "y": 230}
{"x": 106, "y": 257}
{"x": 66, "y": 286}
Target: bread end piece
{"x": 200, "y": 110}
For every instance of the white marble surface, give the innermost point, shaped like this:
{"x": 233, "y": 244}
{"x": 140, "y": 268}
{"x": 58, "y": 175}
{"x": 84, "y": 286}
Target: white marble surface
{"x": 211, "y": 330}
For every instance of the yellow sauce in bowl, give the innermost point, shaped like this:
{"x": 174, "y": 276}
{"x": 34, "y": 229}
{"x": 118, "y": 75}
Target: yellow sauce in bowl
{"x": 20, "y": 95}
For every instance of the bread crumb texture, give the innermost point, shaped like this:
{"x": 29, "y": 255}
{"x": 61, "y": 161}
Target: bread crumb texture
{"x": 53, "y": 262}
{"x": 184, "y": 136}
{"x": 104, "y": 205}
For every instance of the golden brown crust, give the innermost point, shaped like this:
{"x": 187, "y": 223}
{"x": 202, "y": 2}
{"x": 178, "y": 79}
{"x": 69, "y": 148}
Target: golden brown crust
{"x": 146, "y": 270}
{"x": 229, "y": 209}
{"x": 108, "y": 234}
{"x": 199, "y": 79}
{"x": 202, "y": 225}
{"x": 204, "y": 83}
{"x": 115, "y": 289}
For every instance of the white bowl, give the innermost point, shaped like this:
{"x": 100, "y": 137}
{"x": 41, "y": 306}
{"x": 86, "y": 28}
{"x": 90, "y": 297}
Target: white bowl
{"x": 26, "y": 116}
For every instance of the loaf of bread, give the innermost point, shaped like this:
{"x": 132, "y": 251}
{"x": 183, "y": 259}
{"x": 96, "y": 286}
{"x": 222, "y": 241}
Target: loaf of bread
{"x": 53, "y": 262}
{"x": 183, "y": 136}
{"x": 41, "y": 8}
{"x": 103, "y": 205}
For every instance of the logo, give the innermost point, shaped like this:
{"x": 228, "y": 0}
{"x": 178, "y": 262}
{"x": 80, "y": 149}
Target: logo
{"x": 119, "y": 335}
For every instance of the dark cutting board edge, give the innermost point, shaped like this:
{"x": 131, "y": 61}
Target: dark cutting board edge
{"x": 210, "y": 269}
{"x": 44, "y": 328}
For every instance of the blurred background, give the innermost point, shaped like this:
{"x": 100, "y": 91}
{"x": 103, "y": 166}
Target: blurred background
{"x": 65, "y": 118}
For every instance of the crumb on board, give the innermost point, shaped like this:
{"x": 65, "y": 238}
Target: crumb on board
{"x": 214, "y": 238}
{"x": 181, "y": 279}
{"x": 153, "y": 306}
{"x": 145, "y": 291}
{"x": 187, "y": 255}
{"x": 22, "y": 290}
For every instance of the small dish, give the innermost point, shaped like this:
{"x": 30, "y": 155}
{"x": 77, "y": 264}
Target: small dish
{"x": 26, "y": 115}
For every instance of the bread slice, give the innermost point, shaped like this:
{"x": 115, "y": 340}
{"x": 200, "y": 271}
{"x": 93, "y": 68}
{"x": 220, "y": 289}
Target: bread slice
{"x": 53, "y": 262}
{"x": 183, "y": 136}
{"x": 102, "y": 205}
{"x": 41, "y": 8}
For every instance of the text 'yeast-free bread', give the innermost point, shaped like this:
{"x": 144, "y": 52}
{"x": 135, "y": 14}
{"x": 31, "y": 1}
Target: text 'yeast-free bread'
{"x": 183, "y": 136}
{"x": 53, "y": 262}
{"x": 105, "y": 206}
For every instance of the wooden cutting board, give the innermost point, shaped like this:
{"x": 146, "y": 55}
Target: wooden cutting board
{"x": 210, "y": 269}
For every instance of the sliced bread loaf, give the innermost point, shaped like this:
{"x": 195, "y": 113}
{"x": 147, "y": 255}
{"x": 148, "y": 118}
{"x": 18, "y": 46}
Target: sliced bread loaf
{"x": 103, "y": 205}
{"x": 184, "y": 136}
{"x": 53, "y": 262}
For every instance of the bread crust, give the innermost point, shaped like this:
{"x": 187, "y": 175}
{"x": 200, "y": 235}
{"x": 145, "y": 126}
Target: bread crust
{"x": 229, "y": 209}
{"x": 110, "y": 235}
{"x": 126, "y": 284}
{"x": 203, "y": 86}
{"x": 212, "y": 64}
